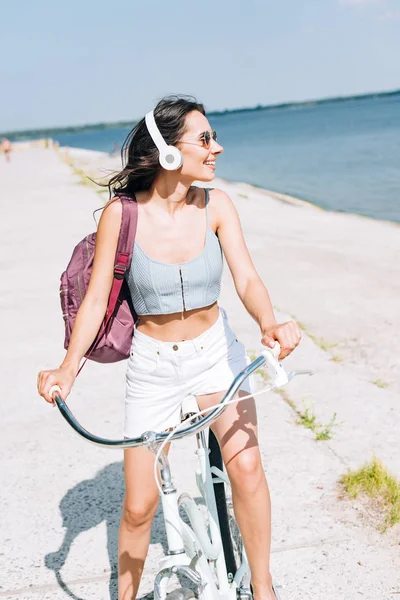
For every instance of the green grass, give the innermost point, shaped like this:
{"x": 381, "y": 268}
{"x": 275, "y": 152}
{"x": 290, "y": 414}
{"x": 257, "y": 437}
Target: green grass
{"x": 380, "y": 383}
{"x": 320, "y": 342}
{"x": 300, "y": 324}
{"x": 336, "y": 358}
{"x": 375, "y": 482}
{"x": 324, "y": 432}
{"x": 308, "y": 418}
{"x": 85, "y": 178}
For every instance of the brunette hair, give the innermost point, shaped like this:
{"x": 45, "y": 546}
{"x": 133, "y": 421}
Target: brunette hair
{"x": 140, "y": 154}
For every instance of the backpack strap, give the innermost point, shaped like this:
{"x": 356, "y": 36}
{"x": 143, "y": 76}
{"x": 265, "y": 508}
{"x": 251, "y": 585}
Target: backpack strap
{"x": 123, "y": 255}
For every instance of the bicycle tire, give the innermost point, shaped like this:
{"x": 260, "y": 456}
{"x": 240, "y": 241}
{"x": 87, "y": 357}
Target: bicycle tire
{"x": 230, "y": 534}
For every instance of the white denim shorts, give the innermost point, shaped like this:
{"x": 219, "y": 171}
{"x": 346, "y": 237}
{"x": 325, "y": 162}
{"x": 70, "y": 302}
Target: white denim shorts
{"x": 161, "y": 374}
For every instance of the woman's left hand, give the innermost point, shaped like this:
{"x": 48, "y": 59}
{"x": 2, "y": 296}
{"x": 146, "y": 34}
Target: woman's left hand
{"x": 287, "y": 334}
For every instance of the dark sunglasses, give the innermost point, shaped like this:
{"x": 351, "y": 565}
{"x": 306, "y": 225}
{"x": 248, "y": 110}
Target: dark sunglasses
{"x": 205, "y": 138}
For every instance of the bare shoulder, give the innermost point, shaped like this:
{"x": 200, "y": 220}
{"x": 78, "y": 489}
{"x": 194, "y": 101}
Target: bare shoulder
{"x": 222, "y": 205}
{"x": 220, "y": 198}
{"x": 112, "y": 212}
{"x": 113, "y": 208}
{"x": 110, "y": 220}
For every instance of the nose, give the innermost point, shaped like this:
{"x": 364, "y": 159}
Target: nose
{"x": 216, "y": 148}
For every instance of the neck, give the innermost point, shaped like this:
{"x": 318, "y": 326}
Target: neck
{"x": 170, "y": 195}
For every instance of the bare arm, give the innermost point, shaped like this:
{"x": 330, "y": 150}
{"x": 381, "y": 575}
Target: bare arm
{"x": 249, "y": 286}
{"x": 94, "y": 305}
{"x": 248, "y": 283}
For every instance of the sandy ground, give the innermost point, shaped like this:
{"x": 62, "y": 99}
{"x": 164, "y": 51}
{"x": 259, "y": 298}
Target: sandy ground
{"x": 336, "y": 274}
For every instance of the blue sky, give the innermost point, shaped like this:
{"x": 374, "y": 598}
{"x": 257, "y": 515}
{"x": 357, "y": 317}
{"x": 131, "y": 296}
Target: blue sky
{"x": 77, "y": 62}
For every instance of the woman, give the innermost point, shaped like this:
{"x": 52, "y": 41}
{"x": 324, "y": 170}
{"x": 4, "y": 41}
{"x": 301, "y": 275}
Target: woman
{"x": 182, "y": 342}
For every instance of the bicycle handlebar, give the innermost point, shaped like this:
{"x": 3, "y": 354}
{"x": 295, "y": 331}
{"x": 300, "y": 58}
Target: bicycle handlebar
{"x": 279, "y": 378}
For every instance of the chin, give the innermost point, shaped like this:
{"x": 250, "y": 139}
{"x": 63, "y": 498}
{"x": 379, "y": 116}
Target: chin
{"x": 206, "y": 176}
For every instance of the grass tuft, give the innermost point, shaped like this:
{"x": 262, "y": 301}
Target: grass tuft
{"x": 377, "y": 483}
{"x": 320, "y": 342}
{"x": 380, "y": 383}
{"x": 308, "y": 419}
{"x": 336, "y": 358}
{"x": 300, "y": 324}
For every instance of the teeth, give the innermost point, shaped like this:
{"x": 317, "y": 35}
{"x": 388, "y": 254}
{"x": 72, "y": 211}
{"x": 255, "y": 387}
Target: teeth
{"x": 210, "y": 162}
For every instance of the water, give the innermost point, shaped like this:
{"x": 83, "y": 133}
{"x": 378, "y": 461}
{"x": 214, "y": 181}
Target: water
{"x": 342, "y": 155}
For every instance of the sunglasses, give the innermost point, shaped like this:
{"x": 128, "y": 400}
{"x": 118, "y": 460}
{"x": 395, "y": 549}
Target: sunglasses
{"x": 205, "y": 138}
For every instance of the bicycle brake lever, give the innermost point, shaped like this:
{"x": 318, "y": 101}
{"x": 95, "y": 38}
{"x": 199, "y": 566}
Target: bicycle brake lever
{"x": 275, "y": 368}
{"x": 293, "y": 374}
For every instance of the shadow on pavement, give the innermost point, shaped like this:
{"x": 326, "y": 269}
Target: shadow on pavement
{"x": 87, "y": 505}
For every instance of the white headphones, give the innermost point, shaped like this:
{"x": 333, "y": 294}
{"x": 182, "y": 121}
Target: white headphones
{"x": 170, "y": 157}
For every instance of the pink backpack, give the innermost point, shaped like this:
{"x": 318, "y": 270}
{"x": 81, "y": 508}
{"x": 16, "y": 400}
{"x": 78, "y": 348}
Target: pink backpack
{"x": 114, "y": 339}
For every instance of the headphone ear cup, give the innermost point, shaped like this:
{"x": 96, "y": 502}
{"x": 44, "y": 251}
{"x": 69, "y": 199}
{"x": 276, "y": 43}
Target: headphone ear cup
{"x": 171, "y": 158}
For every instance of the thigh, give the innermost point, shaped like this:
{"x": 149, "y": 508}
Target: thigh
{"x": 236, "y": 429}
{"x": 140, "y": 485}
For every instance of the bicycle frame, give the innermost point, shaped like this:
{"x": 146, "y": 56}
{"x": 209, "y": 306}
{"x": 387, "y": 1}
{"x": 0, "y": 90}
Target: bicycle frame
{"x": 191, "y": 549}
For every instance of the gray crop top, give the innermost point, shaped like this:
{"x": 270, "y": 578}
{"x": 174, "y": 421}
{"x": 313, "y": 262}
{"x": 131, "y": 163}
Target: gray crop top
{"x": 163, "y": 288}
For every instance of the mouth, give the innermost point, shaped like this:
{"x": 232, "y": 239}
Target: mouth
{"x": 210, "y": 164}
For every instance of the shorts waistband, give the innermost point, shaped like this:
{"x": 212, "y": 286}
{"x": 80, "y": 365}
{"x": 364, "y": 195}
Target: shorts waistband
{"x": 185, "y": 347}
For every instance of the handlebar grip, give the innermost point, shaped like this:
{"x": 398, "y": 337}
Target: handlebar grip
{"x": 275, "y": 368}
{"x": 276, "y": 350}
{"x": 53, "y": 390}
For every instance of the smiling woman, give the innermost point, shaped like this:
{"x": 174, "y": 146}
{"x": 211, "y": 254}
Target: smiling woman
{"x": 182, "y": 343}
{"x": 176, "y": 120}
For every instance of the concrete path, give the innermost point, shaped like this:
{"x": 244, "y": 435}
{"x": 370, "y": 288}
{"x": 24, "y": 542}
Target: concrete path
{"x": 61, "y": 497}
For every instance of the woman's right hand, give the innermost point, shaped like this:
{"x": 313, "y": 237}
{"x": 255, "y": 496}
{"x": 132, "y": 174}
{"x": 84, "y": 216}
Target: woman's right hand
{"x": 64, "y": 377}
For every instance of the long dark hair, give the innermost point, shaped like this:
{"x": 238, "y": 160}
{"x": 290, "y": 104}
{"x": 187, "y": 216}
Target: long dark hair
{"x": 139, "y": 153}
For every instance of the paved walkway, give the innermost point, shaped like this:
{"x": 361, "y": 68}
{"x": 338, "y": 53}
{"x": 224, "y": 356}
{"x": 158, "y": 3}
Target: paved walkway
{"x": 61, "y": 497}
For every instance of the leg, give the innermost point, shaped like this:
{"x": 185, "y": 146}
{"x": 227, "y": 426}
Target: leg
{"x": 236, "y": 431}
{"x": 140, "y": 506}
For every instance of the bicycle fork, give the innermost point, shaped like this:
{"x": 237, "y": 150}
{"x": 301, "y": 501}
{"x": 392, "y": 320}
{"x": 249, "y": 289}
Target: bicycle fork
{"x": 190, "y": 548}
{"x": 183, "y": 553}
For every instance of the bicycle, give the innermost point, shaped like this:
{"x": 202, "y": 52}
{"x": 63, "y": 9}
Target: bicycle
{"x": 209, "y": 552}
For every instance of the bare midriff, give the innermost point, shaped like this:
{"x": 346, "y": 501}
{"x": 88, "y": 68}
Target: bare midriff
{"x": 180, "y": 326}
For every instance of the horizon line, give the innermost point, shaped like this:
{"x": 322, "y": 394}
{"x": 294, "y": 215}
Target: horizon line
{"x": 280, "y": 105}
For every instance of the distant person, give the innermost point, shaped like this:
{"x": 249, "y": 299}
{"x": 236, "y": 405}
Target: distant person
{"x": 6, "y": 148}
{"x": 182, "y": 343}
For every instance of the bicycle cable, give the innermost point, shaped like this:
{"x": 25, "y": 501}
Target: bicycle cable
{"x": 183, "y": 424}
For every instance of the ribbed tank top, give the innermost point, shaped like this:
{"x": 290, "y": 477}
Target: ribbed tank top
{"x": 164, "y": 288}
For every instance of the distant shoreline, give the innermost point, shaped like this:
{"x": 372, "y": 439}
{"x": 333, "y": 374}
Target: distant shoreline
{"x": 49, "y": 131}
{"x": 243, "y": 189}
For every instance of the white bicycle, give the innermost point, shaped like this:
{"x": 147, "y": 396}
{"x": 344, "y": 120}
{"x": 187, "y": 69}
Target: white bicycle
{"x": 209, "y": 552}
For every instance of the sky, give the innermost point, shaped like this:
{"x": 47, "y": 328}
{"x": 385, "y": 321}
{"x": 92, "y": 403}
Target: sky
{"x": 85, "y": 61}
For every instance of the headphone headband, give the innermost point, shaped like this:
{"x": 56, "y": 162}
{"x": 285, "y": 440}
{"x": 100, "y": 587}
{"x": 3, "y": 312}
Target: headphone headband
{"x": 154, "y": 131}
{"x": 170, "y": 157}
